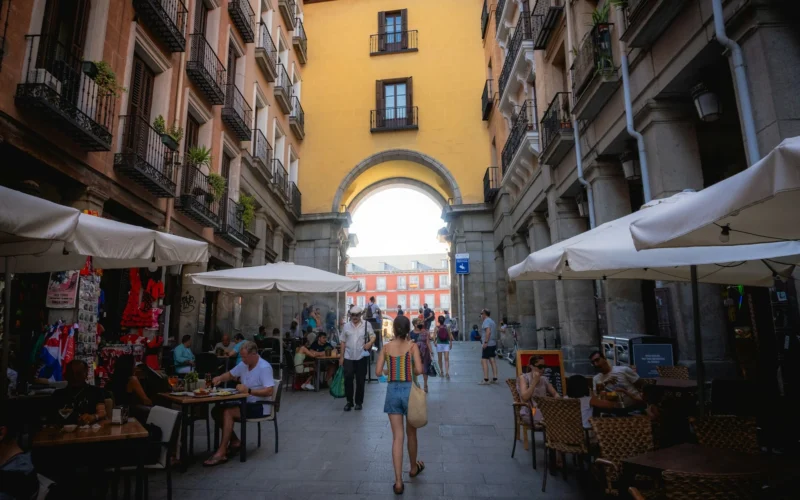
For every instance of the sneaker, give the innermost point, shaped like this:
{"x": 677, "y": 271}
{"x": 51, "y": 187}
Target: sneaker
{"x": 358, "y": 407}
{"x": 348, "y": 407}
{"x": 307, "y": 387}
{"x": 494, "y": 380}
{"x": 483, "y": 382}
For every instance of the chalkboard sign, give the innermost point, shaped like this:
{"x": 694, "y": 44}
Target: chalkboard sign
{"x": 647, "y": 357}
{"x": 554, "y": 370}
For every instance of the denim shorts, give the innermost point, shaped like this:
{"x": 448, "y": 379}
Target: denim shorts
{"x": 397, "y": 398}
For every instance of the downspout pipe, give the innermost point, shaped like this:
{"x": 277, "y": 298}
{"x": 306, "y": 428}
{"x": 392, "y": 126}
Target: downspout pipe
{"x": 626, "y": 92}
{"x": 739, "y": 73}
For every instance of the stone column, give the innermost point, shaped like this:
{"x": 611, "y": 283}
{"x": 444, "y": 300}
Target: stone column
{"x": 192, "y": 306}
{"x": 526, "y": 309}
{"x": 544, "y": 292}
{"x": 624, "y": 308}
{"x": 277, "y": 243}
{"x": 253, "y": 304}
{"x": 92, "y": 198}
{"x": 576, "y": 306}
{"x": 511, "y": 286}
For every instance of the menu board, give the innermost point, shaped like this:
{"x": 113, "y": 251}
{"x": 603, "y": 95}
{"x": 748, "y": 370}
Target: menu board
{"x": 554, "y": 363}
{"x": 648, "y": 357}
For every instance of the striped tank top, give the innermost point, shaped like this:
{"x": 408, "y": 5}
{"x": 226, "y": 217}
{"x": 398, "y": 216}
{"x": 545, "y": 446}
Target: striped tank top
{"x": 399, "y": 367}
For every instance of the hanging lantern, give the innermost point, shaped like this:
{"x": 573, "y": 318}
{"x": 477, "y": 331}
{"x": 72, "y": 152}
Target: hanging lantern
{"x": 630, "y": 165}
{"x": 706, "y": 102}
{"x": 583, "y": 205}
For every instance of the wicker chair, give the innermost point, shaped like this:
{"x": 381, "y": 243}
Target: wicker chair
{"x": 679, "y": 372}
{"x": 694, "y": 486}
{"x": 620, "y": 438}
{"x": 728, "y": 433}
{"x": 564, "y": 430}
{"x": 520, "y": 424}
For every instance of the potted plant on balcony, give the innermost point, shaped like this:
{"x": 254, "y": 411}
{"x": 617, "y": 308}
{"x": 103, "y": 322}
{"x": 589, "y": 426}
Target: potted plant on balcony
{"x": 218, "y": 184}
{"x": 106, "y": 80}
{"x": 248, "y": 205}
{"x": 89, "y": 69}
{"x": 169, "y": 137}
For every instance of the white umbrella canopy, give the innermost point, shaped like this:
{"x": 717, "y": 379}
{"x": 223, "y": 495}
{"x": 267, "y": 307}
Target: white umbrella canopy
{"x": 281, "y": 276}
{"x": 29, "y": 225}
{"x": 608, "y": 252}
{"x": 758, "y": 205}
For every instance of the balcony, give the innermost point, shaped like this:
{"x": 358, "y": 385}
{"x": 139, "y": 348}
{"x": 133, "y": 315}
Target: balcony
{"x": 498, "y": 13}
{"x": 262, "y": 155}
{"x": 297, "y": 119}
{"x": 252, "y": 239}
{"x": 243, "y": 17}
{"x": 523, "y": 139}
{"x": 232, "y": 227}
{"x": 167, "y": 19}
{"x": 283, "y": 89}
{"x": 491, "y": 184}
{"x": 300, "y": 41}
{"x": 280, "y": 178}
{"x": 288, "y": 10}
{"x": 266, "y": 53}
{"x": 237, "y": 114}
{"x": 270, "y": 254}
{"x": 546, "y": 14}
{"x": 296, "y": 200}
{"x": 196, "y": 199}
{"x": 557, "y": 134}
{"x": 594, "y": 76}
{"x": 66, "y": 98}
{"x": 144, "y": 158}
{"x": 392, "y": 119}
{"x": 487, "y": 99}
{"x": 392, "y": 43}
{"x": 648, "y": 19}
{"x": 206, "y": 70}
{"x": 519, "y": 63}
{"x": 485, "y": 12}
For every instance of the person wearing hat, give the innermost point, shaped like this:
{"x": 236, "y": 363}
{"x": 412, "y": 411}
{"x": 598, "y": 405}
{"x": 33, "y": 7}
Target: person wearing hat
{"x": 356, "y": 342}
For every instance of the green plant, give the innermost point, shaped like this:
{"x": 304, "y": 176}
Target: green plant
{"x": 191, "y": 377}
{"x": 106, "y": 80}
{"x": 159, "y": 125}
{"x": 600, "y": 14}
{"x": 218, "y": 184}
{"x": 199, "y": 156}
{"x": 175, "y": 132}
{"x": 248, "y": 204}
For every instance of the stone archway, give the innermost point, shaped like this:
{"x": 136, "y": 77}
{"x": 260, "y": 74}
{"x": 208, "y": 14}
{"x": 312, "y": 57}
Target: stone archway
{"x": 395, "y": 155}
{"x": 393, "y": 182}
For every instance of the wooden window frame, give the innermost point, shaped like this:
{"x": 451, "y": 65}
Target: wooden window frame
{"x": 383, "y": 45}
{"x": 381, "y": 122}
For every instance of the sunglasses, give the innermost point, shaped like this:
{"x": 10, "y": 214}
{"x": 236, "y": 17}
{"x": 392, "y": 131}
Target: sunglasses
{"x": 540, "y": 367}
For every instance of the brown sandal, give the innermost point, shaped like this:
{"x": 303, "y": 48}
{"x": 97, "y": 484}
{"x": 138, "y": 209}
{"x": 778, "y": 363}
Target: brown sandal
{"x": 214, "y": 461}
{"x": 420, "y": 468}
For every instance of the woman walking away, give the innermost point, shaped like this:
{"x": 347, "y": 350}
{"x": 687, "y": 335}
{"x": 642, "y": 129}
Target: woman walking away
{"x": 400, "y": 357}
{"x": 423, "y": 340}
{"x": 444, "y": 339}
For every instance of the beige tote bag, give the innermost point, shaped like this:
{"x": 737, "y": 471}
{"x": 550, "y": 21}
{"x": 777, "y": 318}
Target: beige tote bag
{"x": 417, "y": 407}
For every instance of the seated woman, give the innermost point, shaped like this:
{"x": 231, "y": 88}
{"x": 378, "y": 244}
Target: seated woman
{"x": 127, "y": 388}
{"x": 534, "y": 383}
{"x": 301, "y": 368}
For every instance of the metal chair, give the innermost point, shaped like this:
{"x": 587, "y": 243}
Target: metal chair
{"x": 273, "y": 415}
{"x": 727, "y": 433}
{"x": 620, "y": 438}
{"x": 678, "y": 372}
{"x": 563, "y": 429}
{"x": 740, "y": 486}
{"x": 520, "y": 424}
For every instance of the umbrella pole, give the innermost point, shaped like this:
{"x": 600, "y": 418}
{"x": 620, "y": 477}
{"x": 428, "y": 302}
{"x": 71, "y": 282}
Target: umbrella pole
{"x": 6, "y": 329}
{"x": 698, "y": 342}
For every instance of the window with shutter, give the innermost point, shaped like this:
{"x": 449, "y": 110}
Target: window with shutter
{"x": 192, "y": 132}
{"x": 393, "y": 102}
{"x": 381, "y": 31}
{"x": 139, "y": 105}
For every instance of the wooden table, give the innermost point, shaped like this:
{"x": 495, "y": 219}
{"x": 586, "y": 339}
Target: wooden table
{"x": 675, "y": 383}
{"x": 318, "y": 364}
{"x": 186, "y": 401}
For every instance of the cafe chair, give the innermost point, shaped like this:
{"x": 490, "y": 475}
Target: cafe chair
{"x": 520, "y": 424}
{"x": 620, "y": 438}
{"x": 273, "y": 415}
{"x": 563, "y": 429}
{"x": 727, "y": 433}
{"x": 698, "y": 486}
{"x": 679, "y": 372}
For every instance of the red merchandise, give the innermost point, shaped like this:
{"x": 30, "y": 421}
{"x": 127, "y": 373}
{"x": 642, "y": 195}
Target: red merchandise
{"x": 151, "y": 354}
{"x": 133, "y": 315}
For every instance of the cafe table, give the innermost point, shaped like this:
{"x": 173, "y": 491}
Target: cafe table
{"x": 131, "y": 431}
{"x": 318, "y": 363}
{"x": 185, "y": 402}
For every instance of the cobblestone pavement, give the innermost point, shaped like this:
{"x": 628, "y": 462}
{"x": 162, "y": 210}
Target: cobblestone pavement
{"x": 327, "y": 453}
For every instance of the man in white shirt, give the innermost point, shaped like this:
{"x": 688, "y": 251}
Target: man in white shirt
{"x": 356, "y": 341}
{"x": 255, "y": 380}
{"x": 620, "y": 379}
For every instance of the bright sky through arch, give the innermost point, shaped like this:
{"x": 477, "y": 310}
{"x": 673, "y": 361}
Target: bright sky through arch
{"x": 397, "y": 221}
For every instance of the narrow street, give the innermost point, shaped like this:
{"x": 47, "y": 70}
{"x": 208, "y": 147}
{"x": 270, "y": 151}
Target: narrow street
{"x": 327, "y": 453}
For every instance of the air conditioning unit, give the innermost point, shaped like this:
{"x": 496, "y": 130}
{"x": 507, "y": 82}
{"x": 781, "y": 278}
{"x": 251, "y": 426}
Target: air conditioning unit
{"x": 42, "y": 76}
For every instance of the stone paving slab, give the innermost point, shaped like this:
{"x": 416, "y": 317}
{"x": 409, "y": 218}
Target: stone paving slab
{"x": 326, "y": 453}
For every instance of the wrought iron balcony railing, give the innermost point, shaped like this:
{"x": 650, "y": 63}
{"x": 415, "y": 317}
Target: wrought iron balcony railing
{"x": 167, "y": 18}
{"x": 484, "y": 18}
{"x": 498, "y": 13}
{"x": 521, "y": 33}
{"x": 546, "y": 14}
{"x": 300, "y": 41}
{"x": 297, "y": 119}
{"x": 283, "y": 89}
{"x": 237, "y": 113}
{"x": 487, "y": 99}
{"x": 205, "y": 69}
{"x": 556, "y": 119}
{"x": 262, "y": 153}
{"x": 243, "y": 17}
{"x": 288, "y": 10}
{"x": 491, "y": 184}
{"x": 197, "y": 199}
{"x": 594, "y": 57}
{"x": 266, "y": 53}
{"x": 252, "y": 239}
{"x": 232, "y": 227}
{"x": 398, "y": 41}
{"x": 524, "y": 122}
{"x": 55, "y": 84}
{"x": 279, "y": 177}
{"x": 296, "y": 200}
{"x": 144, "y": 157}
{"x": 389, "y": 119}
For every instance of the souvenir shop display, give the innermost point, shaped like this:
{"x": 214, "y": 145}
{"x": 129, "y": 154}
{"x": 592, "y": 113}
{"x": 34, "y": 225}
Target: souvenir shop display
{"x": 87, "y": 334}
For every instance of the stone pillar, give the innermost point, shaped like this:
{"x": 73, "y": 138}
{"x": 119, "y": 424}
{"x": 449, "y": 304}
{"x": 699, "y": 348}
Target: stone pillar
{"x": 92, "y": 198}
{"x": 576, "y": 305}
{"x": 192, "y": 306}
{"x": 511, "y": 286}
{"x": 277, "y": 243}
{"x": 623, "y": 298}
{"x": 544, "y": 292}
{"x": 253, "y": 304}
{"x": 526, "y": 308}
{"x": 500, "y": 271}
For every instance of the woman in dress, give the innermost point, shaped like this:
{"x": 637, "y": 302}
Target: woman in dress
{"x": 127, "y": 388}
{"x": 534, "y": 383}
{"x": 403, "y": 362}
{"x": 423, "y": 340}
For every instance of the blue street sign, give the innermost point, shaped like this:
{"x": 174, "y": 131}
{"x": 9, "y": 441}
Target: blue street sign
{"x": 462, "y": 263}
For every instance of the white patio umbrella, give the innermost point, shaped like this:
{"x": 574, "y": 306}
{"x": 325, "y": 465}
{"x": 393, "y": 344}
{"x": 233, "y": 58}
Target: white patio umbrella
{"x": 608, "y": 252}
{"x": 758, "y": 205}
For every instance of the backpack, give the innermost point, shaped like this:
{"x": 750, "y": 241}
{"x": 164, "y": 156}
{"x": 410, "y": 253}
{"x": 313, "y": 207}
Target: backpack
{"x": 443, "y": 335}
{"x": 368, "y": 314}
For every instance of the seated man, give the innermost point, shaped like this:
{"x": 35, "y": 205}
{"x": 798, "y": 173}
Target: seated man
{"x": 224, "y": 348}
{"x": 239, "y": 339}
{"x": 255, "y": 379}
{"x": 320, "y": 345}
{"x": 618, "y": 379}
{"x": 86, "y": 401}
{"x": 183, "y": 355}
{"x": 18, "y": 478}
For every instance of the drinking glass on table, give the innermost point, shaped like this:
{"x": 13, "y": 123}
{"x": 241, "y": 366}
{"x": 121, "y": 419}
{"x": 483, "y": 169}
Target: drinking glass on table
{"x": 65, "y": 412}
{"x": 173, "y": 382}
